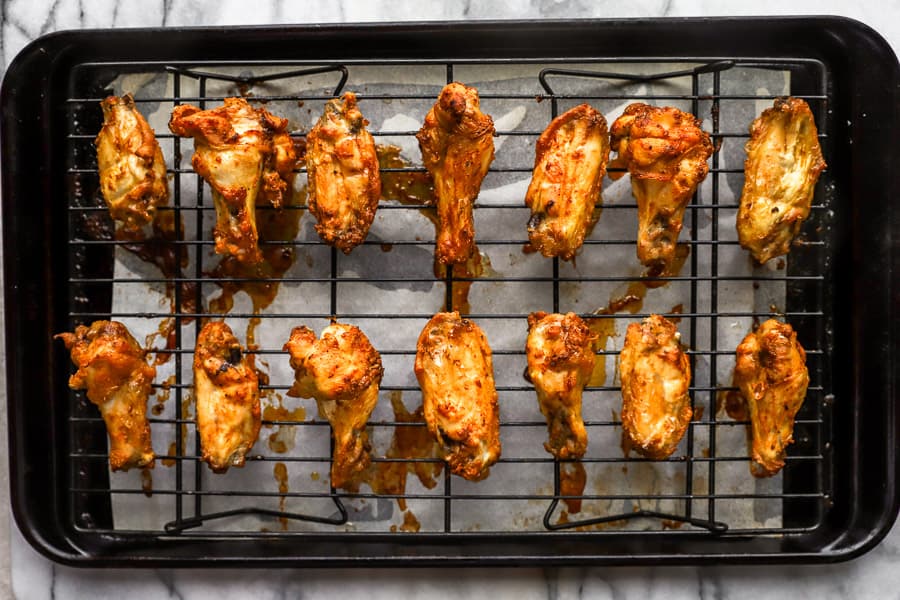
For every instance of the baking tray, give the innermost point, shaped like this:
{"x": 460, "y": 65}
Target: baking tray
{"x": 839, "y": 489}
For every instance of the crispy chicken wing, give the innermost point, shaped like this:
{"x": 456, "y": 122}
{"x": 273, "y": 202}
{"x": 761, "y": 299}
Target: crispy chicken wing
{"x": 132, "y": 168}
{"x": 655, "y": 374}
{"x": 112, "y": 368}
{"x": 561, "y": 358}
{"x": 665, "y": 151}
{"x": 244, "y": 153}
{"x": 569, "y": 165}
{"x": 783, "y": 163}
{"x": 457, "y": 147}
{"x": 770, "y": 372}
{"x": 226, "y": 390}
{"x": 344, "y": 181}
{"x": 342, "y": 371}
{"x": 456, "y": 374}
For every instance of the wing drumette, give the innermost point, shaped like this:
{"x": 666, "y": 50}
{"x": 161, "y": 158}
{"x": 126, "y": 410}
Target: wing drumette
{"x": 560, "y": 362}
{"x": 569, "y": 165}
{"x": 112, "y": 368}
{"x": 665, "y": 151}
{"x": 132, "y": 168}
{"x": 342, "y": 371}
{"x": 344, "y": 181}
{"x": 456, "y": 374}
{"x": 226, "y": 390}
{"x": 457, "y": 147}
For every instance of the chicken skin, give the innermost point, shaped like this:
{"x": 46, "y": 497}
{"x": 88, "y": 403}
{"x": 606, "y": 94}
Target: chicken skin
{"x": 770, "y": 373}
{"x": 132, "y": 168}
{"x": 783, "y": 163}
{"x": 561, "y": 358}
{"x": 243, "y": 153}
{"x": 665, "y": 151}
{"x": 655, "y": 374}
{"x": 569, "y": 165}
{"x": 113, "y": 370}
{"x": 456, "y": 374}
{"x": 226, "y": 389}
{"x": 457, "y": 147}
{"x": 344, "y": 181}
{"x": 342, "y": 371}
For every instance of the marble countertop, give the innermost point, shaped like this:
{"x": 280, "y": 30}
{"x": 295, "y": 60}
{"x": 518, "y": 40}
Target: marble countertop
{"x": 30, "y": 576}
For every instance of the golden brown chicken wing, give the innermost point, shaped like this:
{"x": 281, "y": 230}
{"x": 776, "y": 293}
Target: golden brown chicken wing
{"x": 569, "y": 165}
{"x": 132, "y": 168}
{"x": 243, "y": 153}
{"x": 655, "y": 374}
{"x": 456, "y": 374}
{"x": 113, "y": 370}
{"x": 783, "y": 163}
{"x": 344, "y": 181}
{"x": 561, "y": 358}
{"x": 665, "y": 151}
{"x": 770, "y": 373}
{"x": 226, "y": 389}
{"x": 457, "y": 147}
{"x": 342, "y": 371}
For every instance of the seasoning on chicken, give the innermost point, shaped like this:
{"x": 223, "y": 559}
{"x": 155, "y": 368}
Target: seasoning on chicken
{"x": 113, "y": 370}
{"x": 131, "y": 164}
{"x": 655, "y": 374}
{"x": 456, "y": 374}
{"x": 561, "y": 359}
{"x": 457, "y": 147}
{"x": 342, "y": 371}
{"x": 770, "y": 373}
{"x": 344, "y": 181}
{"x": 226, "y": 390}
{"x": 783, "y": 163}
{"x": 569, "y": 165}
{"x": 243, "y": 153}
{"x": 665, "y": 151}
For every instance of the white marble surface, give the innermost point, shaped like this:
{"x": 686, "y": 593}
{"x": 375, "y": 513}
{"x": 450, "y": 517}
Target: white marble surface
{"x": 32, "y": 577}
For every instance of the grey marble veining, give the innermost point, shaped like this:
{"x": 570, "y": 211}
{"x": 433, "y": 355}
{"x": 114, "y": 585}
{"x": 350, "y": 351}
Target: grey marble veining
{"x": 33, "y": 577}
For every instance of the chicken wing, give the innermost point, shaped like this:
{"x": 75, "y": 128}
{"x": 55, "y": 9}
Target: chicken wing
{"x": 457, "y": 147}
{"x": 561, "y": 358}
{"x": 783, "y": 163}
{"x": 226, "y": 390}
{"x": 132, "y": 168}
{"x": 456, "y": 374}
{"x": 113, "y": 370}
{"x": 655, "y": 374}
{"x": 243, "y": 153}
{"x": 770, "y": 373}
{"x": 344, "y": 181}
{"x": 665, "y": 151}
{"x": 569, "y": 165}
{"x": 342, "y": 371}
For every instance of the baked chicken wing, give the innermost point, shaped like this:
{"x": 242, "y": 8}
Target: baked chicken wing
{"x": 113, "y": 370}
{"x": 457, "y": 147}
{"x": 344, "y": 181}
{"x": 342, "y": 371}
{"x": 226, "y": 389}
{"x": 665, "y": 151}
{"x": 243, "y": 153}
{"x": 561, "y": 358}
{"x": 770, "y": 373}
{"x": 783, "y": 163}
{"x": 456, "y": 374}
{"x": 655, "y": 374}
{"x": 569, "y": 165}
{"x": 132, "y": 168}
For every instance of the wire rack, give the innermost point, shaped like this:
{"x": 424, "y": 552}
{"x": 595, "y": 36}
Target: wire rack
{"x": 695, "y": 488}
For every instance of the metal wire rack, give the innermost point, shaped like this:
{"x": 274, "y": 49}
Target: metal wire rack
{"x": 687, "y": 490}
